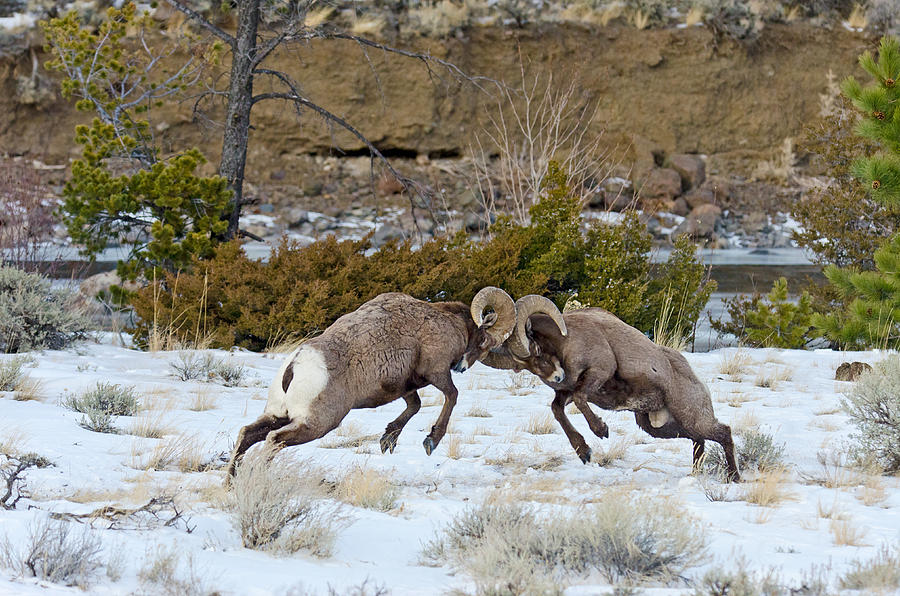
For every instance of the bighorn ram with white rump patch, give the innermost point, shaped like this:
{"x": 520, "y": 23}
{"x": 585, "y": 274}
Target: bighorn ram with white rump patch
{"x": 608, "y": 363}
{"x": 388, "y": 348}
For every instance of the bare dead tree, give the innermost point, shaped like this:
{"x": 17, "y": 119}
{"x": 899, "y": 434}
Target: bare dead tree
{"x": 251, "y": 44}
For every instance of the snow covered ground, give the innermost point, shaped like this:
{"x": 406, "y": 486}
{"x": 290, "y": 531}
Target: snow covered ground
{"x": 800, "y": 407}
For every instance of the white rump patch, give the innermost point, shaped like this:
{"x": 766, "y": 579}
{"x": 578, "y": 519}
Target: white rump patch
{"x": 310, "y": 378}
{"x": 659, "y": 417}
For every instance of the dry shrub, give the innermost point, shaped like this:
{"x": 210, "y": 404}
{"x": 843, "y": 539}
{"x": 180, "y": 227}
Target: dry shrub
{"x": 753, "y": 450}
{"x": 521, "y": 383}
{"x": 162, "y": 574}
{"x": 510, "y": 548}
{"x": 53, "y": 552}
{"x": 367, "y": 487}
{"x": 34, "y": 315}
{"x": 880, "y": 573}
{"x": 11, "y": 372}
{"x": 278, "y": 504}
{"x": 27, "y": 220}
{"x": 741, "y": 581}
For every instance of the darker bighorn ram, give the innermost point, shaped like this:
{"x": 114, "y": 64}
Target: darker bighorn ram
{"x": 616, "y": 367}
{"x": 388, "y": 348}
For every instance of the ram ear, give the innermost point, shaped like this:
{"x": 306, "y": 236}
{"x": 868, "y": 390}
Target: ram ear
{"x": 489, "y": 320}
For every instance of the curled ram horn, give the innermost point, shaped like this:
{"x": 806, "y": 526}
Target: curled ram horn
{"x": 503, "y": 306}
{"x": 525, "y": 307}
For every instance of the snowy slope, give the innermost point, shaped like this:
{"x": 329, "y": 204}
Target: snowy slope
{"x": 491, "y": 453}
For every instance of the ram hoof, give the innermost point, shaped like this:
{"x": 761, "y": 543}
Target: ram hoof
{"x": 388, "y": 442}
{"x": 428, "y": 443}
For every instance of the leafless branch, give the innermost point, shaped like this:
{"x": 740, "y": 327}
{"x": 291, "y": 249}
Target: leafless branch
{"x": 158, "y": 511}
{"x": 202, "y": 22}
{"x": 412, "y": 187}
{"x": 426, "y": 58}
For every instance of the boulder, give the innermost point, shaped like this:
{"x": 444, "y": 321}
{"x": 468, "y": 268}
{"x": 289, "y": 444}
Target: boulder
{"x": 680, "y": 207}
{"x": 661, "y": 183}
{"x": 719, "y": 186}
{"x": 851, "y": 371}
{"x": 617, "y": 201}
{"x": 385, "y": 234}
{"x": 700, "y": 222}
{"x": 691, "y": 168}
{"x": 700, "y": 196}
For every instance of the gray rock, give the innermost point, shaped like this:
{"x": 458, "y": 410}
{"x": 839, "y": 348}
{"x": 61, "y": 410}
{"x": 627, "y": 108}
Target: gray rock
{"x": 385, "y": 234}
{"x": 690, "y": 167}
{"x": 681, "y": 207}
{"x": 661, "y": 183}
{"x": 700, "y": 196}
{"x": 700, "y": 222}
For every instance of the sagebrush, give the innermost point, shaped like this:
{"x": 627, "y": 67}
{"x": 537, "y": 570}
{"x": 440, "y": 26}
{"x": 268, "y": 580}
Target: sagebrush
{"x": 36, "y": 316}
{"x": 510, "y": 548}
{"x": 281, "y": 505}
{"x": 874, "y": 409}
{"x": 56, "y": 552}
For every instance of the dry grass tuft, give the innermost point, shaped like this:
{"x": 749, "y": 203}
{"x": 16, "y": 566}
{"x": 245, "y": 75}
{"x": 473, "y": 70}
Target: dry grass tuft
{"x": 162, "y": 574}
{"x": 540, "y": 424}
{"x": 857, "y": 18}
{"x": 615, "y": 451}
{"x": 768, "y": 489}
{"x": 368, "y": 488}
{"x": 28, "y": 389}
{"x": 879, "y": 574}
{"x": 181, "y": 452}
{"x": 484, "y": 431}
{"x": 846, "y": 533}
{"x": 694, "y": 16}
{"x": 478, "y": 411}
{"x": 454, "y": 445}
{"x": 735, "y": 365}
{"x": 151, "y": 424}
{"x": 203, "y": 400}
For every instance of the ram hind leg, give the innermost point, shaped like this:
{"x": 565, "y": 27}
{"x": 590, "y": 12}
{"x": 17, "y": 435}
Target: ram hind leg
{"x": 712, "y": 430}
{"x": 250, "y": 435}
{"x": 392, "y": 431}
{"x": 558, "y": 407}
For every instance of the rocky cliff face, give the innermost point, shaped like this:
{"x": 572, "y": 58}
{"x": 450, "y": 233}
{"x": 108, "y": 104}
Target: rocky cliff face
{"x": 676, "y": 88}
{"x": 660, "y": 93}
